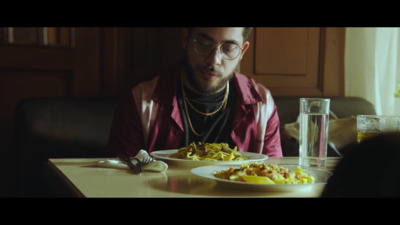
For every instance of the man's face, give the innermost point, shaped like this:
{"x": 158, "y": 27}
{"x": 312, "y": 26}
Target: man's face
{"x": 209, "y": 71}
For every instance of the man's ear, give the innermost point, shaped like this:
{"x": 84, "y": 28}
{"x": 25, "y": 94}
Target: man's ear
{"x": 245, "y": 47}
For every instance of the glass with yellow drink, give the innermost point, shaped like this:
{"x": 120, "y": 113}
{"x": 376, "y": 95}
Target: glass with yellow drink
{"x": 372, "y": 125}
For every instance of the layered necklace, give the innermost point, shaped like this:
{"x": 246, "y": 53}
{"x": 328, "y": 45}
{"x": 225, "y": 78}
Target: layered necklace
{"x": 186, "y": 102}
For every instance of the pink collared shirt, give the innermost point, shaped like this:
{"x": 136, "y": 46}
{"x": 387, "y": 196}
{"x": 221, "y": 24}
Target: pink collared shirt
{"x": 148, "y": 117}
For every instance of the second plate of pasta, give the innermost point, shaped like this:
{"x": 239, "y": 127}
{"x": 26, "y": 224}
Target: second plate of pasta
{"x": 208, "y": 172}
{"x": 165, "y": 155}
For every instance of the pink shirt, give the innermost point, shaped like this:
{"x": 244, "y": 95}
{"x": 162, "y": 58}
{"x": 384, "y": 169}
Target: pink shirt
{"x": 148, "y": 117}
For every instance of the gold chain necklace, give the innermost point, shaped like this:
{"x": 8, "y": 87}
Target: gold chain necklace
{"x": 223, "y": 103}
{"x": 190, "y": 122}
{"x": 186, "y": 100}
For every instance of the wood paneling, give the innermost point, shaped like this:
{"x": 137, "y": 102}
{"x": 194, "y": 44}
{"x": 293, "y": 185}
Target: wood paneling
{"x": 112, "y": 51}
{"x": 282, "y": 51}
{"x": 333, "y": 62}
{"x": 292, "y": 61}
{"x": 35, "y": 58}
{"x": 86, "y": 62}
{"x": 45, "y": 62}
{"x": 148, "y": 51}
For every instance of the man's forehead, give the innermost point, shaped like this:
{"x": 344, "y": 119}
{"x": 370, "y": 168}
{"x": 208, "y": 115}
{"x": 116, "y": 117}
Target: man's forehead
{"x": 220, "y": 34}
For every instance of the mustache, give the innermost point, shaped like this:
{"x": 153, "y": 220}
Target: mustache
{"x": 209, "y": 68}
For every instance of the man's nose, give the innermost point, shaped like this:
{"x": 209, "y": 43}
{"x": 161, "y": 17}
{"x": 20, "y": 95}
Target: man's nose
{"x": 215, "y": 56}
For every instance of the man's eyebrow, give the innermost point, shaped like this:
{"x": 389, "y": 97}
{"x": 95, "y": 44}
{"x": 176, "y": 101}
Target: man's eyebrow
{"x": 201, "y": 35}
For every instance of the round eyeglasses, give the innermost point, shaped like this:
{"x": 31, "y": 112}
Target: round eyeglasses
{"x": 228, "y": 50}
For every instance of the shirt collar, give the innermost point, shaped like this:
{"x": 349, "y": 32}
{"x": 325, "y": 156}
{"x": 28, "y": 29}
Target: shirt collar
{"x": 166, "y": 89}
{"x": 247, "y": 93}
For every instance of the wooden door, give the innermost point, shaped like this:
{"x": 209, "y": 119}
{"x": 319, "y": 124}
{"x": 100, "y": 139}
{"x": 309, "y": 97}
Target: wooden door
{"x": 297, "y": 61}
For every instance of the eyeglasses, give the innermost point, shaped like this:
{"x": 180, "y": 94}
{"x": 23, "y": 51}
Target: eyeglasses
{"x": 228, "y": 50}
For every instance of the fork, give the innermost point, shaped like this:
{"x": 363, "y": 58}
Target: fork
{"x": 136, "y": 169}
{"x": 144, "y": 161}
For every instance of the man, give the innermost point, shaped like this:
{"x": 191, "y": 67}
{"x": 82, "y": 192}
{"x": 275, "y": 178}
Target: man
{"x": 202, "y": 99}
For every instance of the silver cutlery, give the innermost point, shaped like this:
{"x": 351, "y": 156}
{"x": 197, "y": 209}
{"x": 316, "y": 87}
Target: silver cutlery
{"x": 136, "y": 169}
{"x": 144, "y": 162}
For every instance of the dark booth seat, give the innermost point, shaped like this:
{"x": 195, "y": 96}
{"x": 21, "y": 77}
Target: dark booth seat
{"x": 58, "y": 128}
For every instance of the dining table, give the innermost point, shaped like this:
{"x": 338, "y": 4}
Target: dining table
{"x": 82, "y": 177}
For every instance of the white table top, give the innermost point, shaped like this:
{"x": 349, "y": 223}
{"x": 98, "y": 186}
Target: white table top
{"x": 85, "y": 179}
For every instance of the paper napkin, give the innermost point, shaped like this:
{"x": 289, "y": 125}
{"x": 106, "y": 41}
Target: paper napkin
{"x": 156, "y": 165}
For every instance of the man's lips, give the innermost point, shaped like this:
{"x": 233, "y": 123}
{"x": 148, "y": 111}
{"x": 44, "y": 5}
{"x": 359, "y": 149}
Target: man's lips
{"x": 207, "y": 74}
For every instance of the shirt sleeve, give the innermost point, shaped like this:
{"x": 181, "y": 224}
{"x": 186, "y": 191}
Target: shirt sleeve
{"x": 272, "y": 139}
{"x": 125, "y": 135}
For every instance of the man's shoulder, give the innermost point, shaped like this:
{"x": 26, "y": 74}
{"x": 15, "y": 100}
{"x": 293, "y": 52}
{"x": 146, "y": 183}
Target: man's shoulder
{"x": 161, "y": 88}
{"x": 242, "y": 78}
{"x": 249, "y": 82}
{"x": 164, "y": 78}
{"x": 147, "y": 84}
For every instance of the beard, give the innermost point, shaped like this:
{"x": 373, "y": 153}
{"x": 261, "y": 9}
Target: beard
{"x": 199, "y": 85}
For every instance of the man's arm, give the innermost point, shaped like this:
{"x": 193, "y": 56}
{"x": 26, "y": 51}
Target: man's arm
{"x": 126, "y": 131}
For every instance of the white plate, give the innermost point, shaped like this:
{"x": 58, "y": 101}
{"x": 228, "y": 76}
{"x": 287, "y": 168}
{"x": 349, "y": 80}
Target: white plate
{"x": 165, "y": 156}
{"x": 321, "y": 177}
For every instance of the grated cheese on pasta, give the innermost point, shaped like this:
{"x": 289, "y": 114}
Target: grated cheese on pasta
{"x": 208, "y": 151}
{"x": 266, "y": 173}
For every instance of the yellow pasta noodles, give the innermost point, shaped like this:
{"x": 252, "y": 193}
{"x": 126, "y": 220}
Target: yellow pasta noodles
{"x": 266, "y": 174}
{"x": 208, "y": 151}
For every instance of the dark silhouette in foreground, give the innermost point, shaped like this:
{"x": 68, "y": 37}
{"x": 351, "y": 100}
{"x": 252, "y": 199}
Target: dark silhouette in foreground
{"x": 370, "y": 169}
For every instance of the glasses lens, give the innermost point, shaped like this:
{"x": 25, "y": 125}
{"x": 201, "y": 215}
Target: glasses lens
{"x": 230, "y": 50}
{"x": 205, "y": 47}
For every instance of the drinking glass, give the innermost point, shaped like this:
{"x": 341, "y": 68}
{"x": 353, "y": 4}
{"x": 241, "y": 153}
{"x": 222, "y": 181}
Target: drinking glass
{"x": 372, "y": 125}
{"x": 313, "y": 132}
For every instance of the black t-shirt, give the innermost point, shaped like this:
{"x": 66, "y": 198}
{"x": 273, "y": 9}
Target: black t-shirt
{"x": 218, "y": 127}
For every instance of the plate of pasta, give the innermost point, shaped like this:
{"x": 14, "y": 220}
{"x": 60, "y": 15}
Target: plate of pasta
{"x": 263, "y": 177}
{"x": 200, "y": 154}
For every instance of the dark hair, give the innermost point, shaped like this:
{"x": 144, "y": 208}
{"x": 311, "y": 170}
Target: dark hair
{"x": 370, "y": 169}
{"x": 246, "y": 32}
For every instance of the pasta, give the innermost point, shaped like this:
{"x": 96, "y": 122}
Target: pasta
{"x": 208, "y": 151}
{"x": 266, "y": 174}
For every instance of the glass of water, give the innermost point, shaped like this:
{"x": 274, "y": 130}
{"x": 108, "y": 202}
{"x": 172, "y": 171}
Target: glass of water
{"x": 313, "y": 132}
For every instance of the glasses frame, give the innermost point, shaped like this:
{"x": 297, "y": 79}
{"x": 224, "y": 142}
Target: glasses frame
{"x": 219, "y": 46}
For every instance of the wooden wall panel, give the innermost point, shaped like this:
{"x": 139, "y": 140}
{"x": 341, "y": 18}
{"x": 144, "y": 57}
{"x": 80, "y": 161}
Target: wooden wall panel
{"x": 286, "y": 60}
{"x": 281, "y": 51}
{"x": 297, "y": 61}
{"x": 333, "y": 63}
{"x": 35, "y": 58}
{"x": 112, "y": 48}
{"x": 86, "y": 61}
{"x": 149, "y": 50}
{"x": 24, "y": 84}
{"x": 44, "y": 62}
